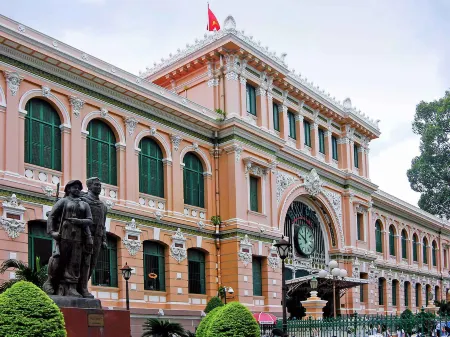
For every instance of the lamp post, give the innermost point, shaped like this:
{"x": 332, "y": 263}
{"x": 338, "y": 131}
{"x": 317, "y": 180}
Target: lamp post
{"x": 126, "y": 273}
{"x": 283, "y": 248}
{"x": 226, "y": 290}
{"x": 336, "y": 273}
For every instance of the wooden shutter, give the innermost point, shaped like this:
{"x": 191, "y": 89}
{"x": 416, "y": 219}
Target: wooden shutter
{"x": 257, "y": 276}
{"x": 254, "y": 194}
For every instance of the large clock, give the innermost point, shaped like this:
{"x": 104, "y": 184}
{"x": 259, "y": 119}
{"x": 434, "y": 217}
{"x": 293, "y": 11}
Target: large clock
{"x": 305, "y": 240}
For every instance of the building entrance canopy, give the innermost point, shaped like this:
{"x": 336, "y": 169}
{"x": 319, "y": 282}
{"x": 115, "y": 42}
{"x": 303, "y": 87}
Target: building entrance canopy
{"x": 324, "y": 285}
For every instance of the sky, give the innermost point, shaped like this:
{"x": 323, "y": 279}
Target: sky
{"x": 385, "y": 55}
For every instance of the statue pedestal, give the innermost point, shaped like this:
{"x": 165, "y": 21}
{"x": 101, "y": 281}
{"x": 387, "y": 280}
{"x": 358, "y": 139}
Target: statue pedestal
{"x": 314, "y": 306}
{"x": 85, "y": 317}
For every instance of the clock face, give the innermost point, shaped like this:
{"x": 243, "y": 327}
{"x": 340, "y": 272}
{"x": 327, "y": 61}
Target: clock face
{"x": 305, "y": 240}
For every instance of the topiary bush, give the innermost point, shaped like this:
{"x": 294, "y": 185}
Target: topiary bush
{"x": 26, "y": 311}
{"x": 234, "y": 320}
{"x": 205, "y": 323}
{"x": 213, "y": 303}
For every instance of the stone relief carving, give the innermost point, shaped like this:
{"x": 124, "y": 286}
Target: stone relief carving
{"x": 284, "y": 180}
{"x": 76, "y": 104}
{"x": 13, "y": 80}
{"x": 131, "y": 124}
{"x": 178, "y": 247}
{"x": 245, "y": 250}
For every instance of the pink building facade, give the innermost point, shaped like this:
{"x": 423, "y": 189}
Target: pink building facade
{"x": 221, "y": 129}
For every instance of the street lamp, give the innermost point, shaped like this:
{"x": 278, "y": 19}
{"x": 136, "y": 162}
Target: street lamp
{"x": 336, "y": 273}
{"x": 126, "y": 273}
{"x": 283, "y": 248}
{"x": 226, "y": 290}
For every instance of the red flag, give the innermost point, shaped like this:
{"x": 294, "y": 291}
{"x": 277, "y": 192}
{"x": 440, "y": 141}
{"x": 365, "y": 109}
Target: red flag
{"x": 213, "y": 23}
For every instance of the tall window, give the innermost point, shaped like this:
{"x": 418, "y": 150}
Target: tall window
{"x": 151, "y": 173}
{"x": 105, "y": 273}
{"x": 321, "y": 141}
{"x": 391, "y": 241}
{"x": 194, "y": 194}
{"x": 334, "y": 146}
{"x": 251, "y": 99}
{"x": 404, "y": 245}
{"x": 257, "y": 276}
{"x": 360, "y": 226}
{"x": 425, "y": 250}
{"x": 101, "y": 152}
{"x": 378, "y": 237}
{"x": 39, "y": 243}
{"x": 196, "y": 272}
{"x": 415, "y": 242}
{"x": 394, "y": 292}
{"x": 254, "y": 199}
{"x": 291, "y": 120}
{"x": 307, "y": 128}
{"x": 406, "y": 291}
{"x": 276, "y": 117}
{"x": 434, "y": 253}
{"x": 355, "y": 155}
{"x": 42, "y": 135}
{"x": 154, "y": 266}
{"x": 380, "y": 291}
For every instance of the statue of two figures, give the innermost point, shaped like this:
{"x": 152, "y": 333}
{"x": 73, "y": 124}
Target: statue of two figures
{"x": 77, "y": 226}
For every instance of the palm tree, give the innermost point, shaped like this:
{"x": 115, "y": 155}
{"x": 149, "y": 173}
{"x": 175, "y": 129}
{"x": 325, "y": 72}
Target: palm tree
{"x": 36, "y": 275}
{"x": 155, "y": 327}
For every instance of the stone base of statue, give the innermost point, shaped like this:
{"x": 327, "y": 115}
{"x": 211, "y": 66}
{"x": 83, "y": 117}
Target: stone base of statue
{"x": 314, "y": 306}
{"x": 85, "y": 317}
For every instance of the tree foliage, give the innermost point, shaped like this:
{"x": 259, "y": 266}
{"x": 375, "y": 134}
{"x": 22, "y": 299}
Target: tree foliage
{"x": 26, "y": 311}
{"x": 213, "y": 303}
{"x": 155, "y": 327}
{"x": 37, "y": 276}
{"x": 430, "y": 172}
{"x": 203, "y": 327}
{"x": 234, "y": 319}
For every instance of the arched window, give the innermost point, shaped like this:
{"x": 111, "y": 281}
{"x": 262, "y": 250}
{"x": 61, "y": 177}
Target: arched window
{"x": 407, "y": 290}
{"x": 154, "y": 266}
{"x": 151, "y": 172}
{"x": 425, "y": 250}
{"x": 391, "y": 241}
{"x": 415, "y": 242}
{"x": 404, "y": 245}
{"x": 434, "y": 253}
{"x": 39, "y": 243}
{"x": 101, "y": 152}
{"x": 196, "y": 272}
{"x": 193, "y": 181}
{"x": 378, "y": 237}
{"x": 42, "y": 135}
{"x": 105, "y": 273}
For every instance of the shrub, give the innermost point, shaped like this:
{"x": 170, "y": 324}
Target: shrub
{"x": 213, "y": 303}
{"x": 234, "y": 320}
{"x": 26, "y": 311}
{"x": 205, "y": 323}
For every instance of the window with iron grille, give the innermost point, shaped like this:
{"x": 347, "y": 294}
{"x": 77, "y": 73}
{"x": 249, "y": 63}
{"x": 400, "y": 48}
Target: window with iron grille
{"x": 360, "y": 226}
{"x": 414, "y": 248}
{"x": 307, "y": 128}
{"x": 391, "y": 241}
{"x": 39, "y": 243}
{"x": 321, "y": 141}
{"x": 276, "y": 117}
{"x": 194, "y": 194}
{"x": 334, "y": 146}
{"x": 151, "y": 168}
{"x": 394, "y": 292}
{"x": 257, "y": 276}
{"x": 355, "y": 155}
{"x": 425, "y": 250}
{"x": 251, "y": 99}
{"x": 254, "y": 197}
{"x": 196, "y": 272}
{"x": 101, "y": 152}
{"x": 378, "y": 237}
{"x": 154, "y": 266}
{"x": 291, "y": 121}
{"x": 433, "y": 254}
{"x": 105, "y": 272}
{"x": 404, "y": 245}
{"x": 42, "y": 135}
{"x": 380, "y": 291}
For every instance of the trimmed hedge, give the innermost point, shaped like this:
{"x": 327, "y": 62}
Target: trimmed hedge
{"x": 232, "y": 320}
{"x": 205, "y": 323}
{"x": 26, "y": 311}
{"x": 213, "y": 303}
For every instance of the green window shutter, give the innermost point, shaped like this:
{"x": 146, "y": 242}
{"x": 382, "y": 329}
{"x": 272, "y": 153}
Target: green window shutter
{"x": 394, "y": 293}
{"x": 355, "y": 155}
{"x": 193, "y": 179}
{"x": 391, "y": 242}
{"x": 334, "y": 145}
{"x": 42, "y": 135}
{"x": 154, "y": 262}
{"x": 254, "y": 194}
{"x": 404, "y": 245}
{"x": 291, "y": 120}
{"x": 307, "y": 128}
{"x": 378, "y": 238}
{"x": 380, "y": 292}
{"x": 257, "y": 276}
{"x": 251, "y": 99}
{"x": 151, "y": 168}
{"x": 424, "y": 251}
{"x": 101, "y": 150}
{"x": 414, "y": 248}
{"x": 276, "y": 117}
{"x": 196, "y": 272}
{"x": 321, "y": 141}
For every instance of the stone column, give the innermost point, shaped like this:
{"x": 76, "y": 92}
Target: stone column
{"x": 261, "y": 107}
{"x": 328, "y": 146}
{"x": 300, "y": 131}
{"x": 284, "y": 123}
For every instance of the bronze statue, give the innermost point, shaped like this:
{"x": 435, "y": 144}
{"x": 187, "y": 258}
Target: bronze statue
{"x": 98, "y": 230}
{"x": 69, "y": 225}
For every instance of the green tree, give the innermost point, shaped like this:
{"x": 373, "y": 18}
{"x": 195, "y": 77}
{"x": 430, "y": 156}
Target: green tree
{"x": 26, "y": 311}
{"x": 234, "y": 319}
{"x": 203, "y": 327}
{"x": 155, "y": 327}
{"x": 430, "y": 172}
{"x": 23, "y": 272}
{"x": 213, "y": 303}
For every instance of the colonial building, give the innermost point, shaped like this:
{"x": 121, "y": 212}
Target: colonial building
{"x": 206, "y": 159}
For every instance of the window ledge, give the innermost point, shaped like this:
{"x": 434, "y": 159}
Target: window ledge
{"x": 262, "y": 215}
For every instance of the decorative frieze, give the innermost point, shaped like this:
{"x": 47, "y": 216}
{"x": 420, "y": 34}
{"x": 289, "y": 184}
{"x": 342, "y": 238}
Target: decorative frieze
{"x": 13, "y": 80}
{"x": 178, "y": 247}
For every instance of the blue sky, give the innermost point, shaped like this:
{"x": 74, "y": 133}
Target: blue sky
{"x": 386, "y": 56}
